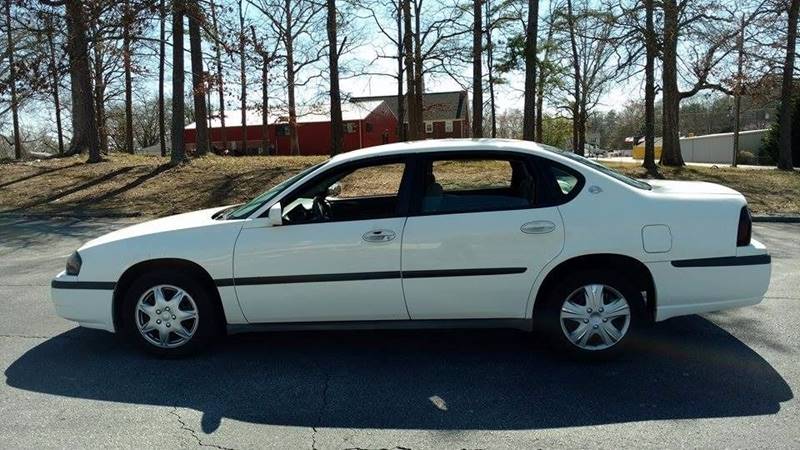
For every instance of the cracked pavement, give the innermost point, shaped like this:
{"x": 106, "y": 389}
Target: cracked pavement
{"x": 719, "y": 380}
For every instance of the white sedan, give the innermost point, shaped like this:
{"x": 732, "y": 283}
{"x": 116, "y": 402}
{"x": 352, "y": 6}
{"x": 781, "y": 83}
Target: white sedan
{"x": 455, "y": 233}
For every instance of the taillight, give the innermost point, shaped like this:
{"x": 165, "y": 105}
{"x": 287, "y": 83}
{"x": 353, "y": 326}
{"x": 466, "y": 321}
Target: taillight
{"x": 745, "y": 228}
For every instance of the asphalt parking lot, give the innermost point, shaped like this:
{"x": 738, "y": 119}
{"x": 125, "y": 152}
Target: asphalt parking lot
{"x": 719, "y": 380}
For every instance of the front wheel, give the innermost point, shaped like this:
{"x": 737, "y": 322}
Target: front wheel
{"x": 593, "y": 314}
{"x": 168, "y": 315}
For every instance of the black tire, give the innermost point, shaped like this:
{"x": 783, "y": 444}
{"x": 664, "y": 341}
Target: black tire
{"x": 207, "y": 321}
{"x": 551, "y": 324}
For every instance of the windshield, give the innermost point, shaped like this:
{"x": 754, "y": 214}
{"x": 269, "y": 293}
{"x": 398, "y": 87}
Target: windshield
{"x": 245, "y": 210}
{"x": 599, "y": 167}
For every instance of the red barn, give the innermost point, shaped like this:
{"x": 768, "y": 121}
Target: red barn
{"x": 366, "y": 124}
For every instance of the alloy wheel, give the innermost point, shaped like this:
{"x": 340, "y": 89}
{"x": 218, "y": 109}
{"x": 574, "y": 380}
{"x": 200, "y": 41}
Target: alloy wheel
{"x": 595, "y": 317}
{"x": 166, "y": 316}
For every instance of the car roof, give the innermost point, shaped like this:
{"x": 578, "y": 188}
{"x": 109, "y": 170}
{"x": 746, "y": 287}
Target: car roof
{"x": 443, "y": 145}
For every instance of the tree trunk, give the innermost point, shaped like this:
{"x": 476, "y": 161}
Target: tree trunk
{"x": 56, "y": 94}
{"x": 785, "y": 137}
{"x": 337, "y": 127}
{"x": 12, "y": 70}
{"x": 126, "y": 62}
{"x": 162, "y": 55}
{"x": 419, "y": 88}
{"x": 243, "y": 77}
{"x": 100, "y": 97}
{"x": 294, "y": 145}
{"x": 84, "y": 128}
{"x": 649, "y": 91}
{"x": 577, "y": 145}
{"x": 198, "y": 83}
{"x": 265, "y": 61}
{"x": 737, "y": 105}
{"x": 490, "y": 66}
{"x": 220, "y": 83}
{"x": 265, "y": 104}
{"x": 412, "y": 132}
{"x": 401, "y": 103}
{"x": 540, "y": 85}
{"x": 178, "y": 145}
{"x": 529, "y": 122}
{"x": 477, "y": 66}
{"x": 670, "y": 145}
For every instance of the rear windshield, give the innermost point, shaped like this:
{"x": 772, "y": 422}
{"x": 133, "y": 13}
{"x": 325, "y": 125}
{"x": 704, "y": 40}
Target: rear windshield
{"x": 600, "y": 168}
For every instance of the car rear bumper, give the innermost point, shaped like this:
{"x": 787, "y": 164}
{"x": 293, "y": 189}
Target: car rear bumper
{"x": 711, "y": 284}
{"x": 88, "y": 303}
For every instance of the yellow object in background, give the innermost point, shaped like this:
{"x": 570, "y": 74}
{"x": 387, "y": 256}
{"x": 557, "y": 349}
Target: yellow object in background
{"x": 638, "y": 150}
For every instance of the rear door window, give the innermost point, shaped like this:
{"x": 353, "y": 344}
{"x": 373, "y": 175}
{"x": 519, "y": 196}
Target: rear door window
{"x": 474, "y": 184}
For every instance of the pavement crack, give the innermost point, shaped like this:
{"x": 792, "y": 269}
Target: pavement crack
{"x": 192, "y": 432}
{"x": 23, "y": 336}
{"x": 323, "y": 407}
{"x": 396, "y": 447}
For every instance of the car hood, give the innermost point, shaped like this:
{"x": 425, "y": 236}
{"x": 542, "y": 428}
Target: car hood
{"x": 177, "y": 222}
{"x": 689, "y": 188}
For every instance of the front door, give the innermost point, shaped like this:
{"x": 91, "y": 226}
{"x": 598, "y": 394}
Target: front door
{"x": 477, "y": 241}
{"x": 336, "y": 257}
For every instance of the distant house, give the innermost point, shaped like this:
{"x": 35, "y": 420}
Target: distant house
{"x": 446, "y": 114}
{"x": 365, "y": 124}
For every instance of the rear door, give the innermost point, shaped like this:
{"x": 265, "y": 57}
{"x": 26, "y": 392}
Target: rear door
{"x": 476, "y": 239}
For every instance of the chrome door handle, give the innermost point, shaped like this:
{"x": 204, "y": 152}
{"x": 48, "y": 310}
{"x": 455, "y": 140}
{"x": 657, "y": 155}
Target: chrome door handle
{"x": 379, "y": 236}
{"x": 538, "y": 227}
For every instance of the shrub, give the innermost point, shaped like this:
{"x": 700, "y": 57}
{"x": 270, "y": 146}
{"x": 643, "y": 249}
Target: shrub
{"x": 745, "y": 157}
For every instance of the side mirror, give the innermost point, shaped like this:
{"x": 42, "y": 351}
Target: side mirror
{"x": 335, "y": 189}
{"x": 276, "y": 215}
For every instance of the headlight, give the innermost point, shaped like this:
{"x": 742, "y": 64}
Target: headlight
{"x": 74, "y": 263}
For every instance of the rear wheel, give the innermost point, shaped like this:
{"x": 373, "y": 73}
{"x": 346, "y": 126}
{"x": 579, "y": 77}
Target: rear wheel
{"x": 593, "y": 314}
{"x": 168, "y": 315}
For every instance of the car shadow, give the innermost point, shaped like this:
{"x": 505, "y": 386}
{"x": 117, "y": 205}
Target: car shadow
{"x": 684, "y": 368}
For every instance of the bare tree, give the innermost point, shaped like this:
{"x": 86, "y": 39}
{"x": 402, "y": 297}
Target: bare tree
{"x": 337, "y": 127}
{"x": 578, "y": 121}
{"x": 178, "y": 154}
{"x": 243, "y": 74}
{"x": 196, "y": 18}
{"x": 649, "y": 89}
{"x": 55, "y": 81}
{"x": 785, "y": 138}
{"x": 12, "y": 81}
{"x": 529, "y": 107}
{"x": 295, "y": 23}
{"x": 219, "y": 81}
{"x": 127, "y": 23}
{"x": 671, "y": 147}
{"x": 547, "y": 71}
{"x": 376, "y": 12}
{"x": 477, "y": 66}
{"x": 414, "y": 118}
{"x": 162, "y": 55}
{"x": 84, "y": 128}
{"x": 268, "y": 57}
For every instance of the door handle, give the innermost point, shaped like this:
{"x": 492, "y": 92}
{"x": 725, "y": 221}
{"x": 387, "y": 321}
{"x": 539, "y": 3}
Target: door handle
{"x": 379, "y": 236}
{"x": 538, "y": 227}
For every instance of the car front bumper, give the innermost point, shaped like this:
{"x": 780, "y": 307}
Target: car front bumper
{"x": 88, "y": 303}
{"x": 711, "y": 284}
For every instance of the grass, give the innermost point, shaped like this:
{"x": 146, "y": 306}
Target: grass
{"x": 127, "y": 185}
